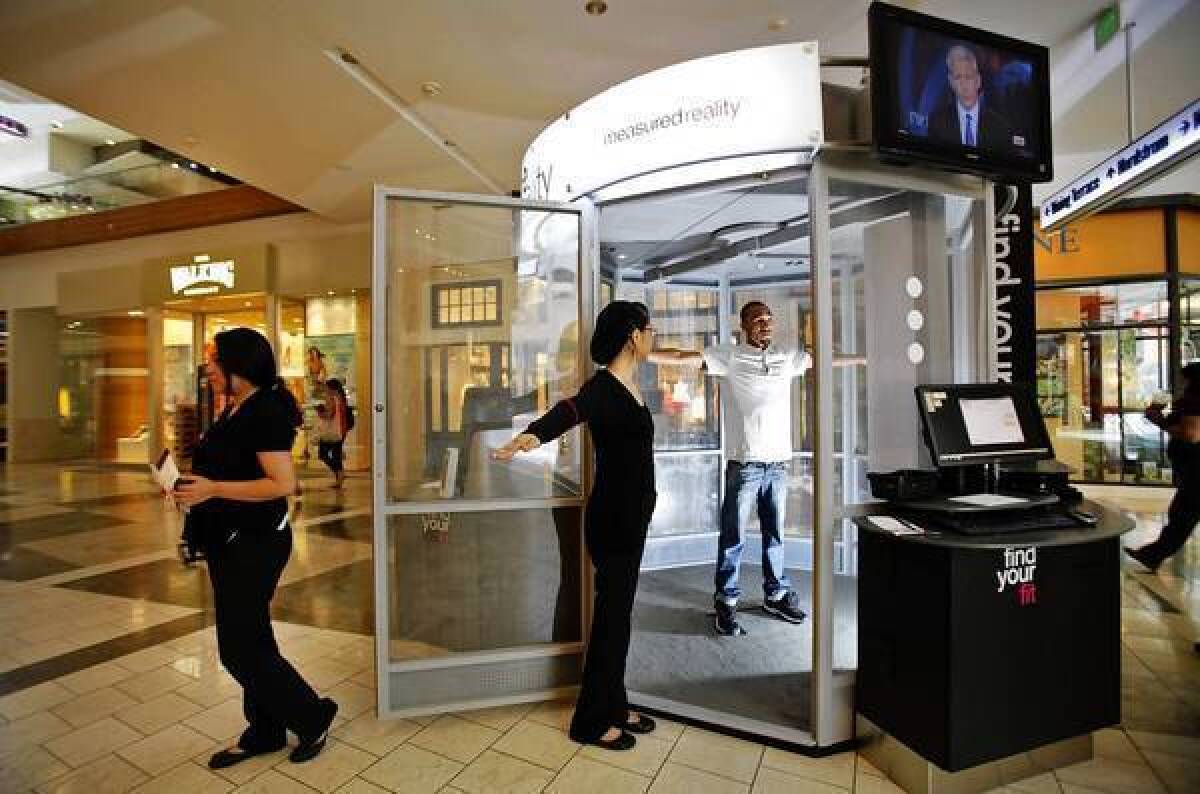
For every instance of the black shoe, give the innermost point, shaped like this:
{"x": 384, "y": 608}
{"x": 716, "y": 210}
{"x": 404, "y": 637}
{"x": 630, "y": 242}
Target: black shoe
{"x": 726, "y": 620}
{"x": 1145, "y": 559}
{"x": 786, "y": 607}
{"x": 235, "y": 755}
{"x": 310, "y": 748}
{"x": 643, "y": 725}
{"x": 623, "y": 742}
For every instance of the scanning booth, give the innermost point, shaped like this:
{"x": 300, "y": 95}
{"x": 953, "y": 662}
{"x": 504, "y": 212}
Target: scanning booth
{"x": 693, "y": 189}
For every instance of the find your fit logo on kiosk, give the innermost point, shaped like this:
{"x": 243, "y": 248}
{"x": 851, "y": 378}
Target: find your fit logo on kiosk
{"x": 1017, "y": 574}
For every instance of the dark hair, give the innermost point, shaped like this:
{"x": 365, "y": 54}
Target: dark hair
{"x": 336, "y": 385}
{"x": 247, "y": 353}
{"x": 1191, "y": 375}
{"x": 752, "y": 305}
{"x": 615, "y": 324}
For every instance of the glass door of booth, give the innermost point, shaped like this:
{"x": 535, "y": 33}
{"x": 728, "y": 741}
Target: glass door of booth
{"x": 479, "y": 565}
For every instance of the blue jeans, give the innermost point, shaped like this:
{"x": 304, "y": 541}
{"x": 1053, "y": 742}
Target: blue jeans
{"x": 750, "y": 485}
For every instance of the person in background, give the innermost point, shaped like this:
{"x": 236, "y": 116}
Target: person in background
{"x": 333, "y": 424}
{"x": 618, "y": 512}
{"x": 1182, "y": 426}
{"x": 242, "y": 474}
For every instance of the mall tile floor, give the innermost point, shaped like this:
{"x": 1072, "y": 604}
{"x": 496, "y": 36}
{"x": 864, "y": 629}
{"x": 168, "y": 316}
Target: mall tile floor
{"x": 109, "y": 677}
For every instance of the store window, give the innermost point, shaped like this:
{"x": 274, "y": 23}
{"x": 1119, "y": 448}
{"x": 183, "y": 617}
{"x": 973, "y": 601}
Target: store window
{"x": 1102, "y": 358}
{"x": 473, "y": 304}
{"x": 3, "y": 386}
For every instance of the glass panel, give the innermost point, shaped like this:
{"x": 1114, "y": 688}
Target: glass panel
{"x": 690, "y": 495}
{"x": 437, "y": 371}
{"x": 1109, "y": 304}
{"x": 180, "y": 417}
{"x": 1189, "y": 320}
{"x": 467, "y": 582}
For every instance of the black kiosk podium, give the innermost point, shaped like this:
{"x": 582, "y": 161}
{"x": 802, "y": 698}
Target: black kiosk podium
{"x": 989, "y": 623}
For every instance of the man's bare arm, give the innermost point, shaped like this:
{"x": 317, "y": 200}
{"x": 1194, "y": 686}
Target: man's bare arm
{"x": 676, "y": 357}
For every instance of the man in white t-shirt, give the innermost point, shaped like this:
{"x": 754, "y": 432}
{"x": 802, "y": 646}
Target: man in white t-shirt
{"x": 756, "y": 402}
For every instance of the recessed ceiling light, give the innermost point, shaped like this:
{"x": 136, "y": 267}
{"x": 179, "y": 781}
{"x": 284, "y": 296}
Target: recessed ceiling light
{"x": 136, "y": 313}
{"x": 246, "y": 304}
{"x": 193, "y": 166}
{"x": 778, "y": 23}
{"x": 110, "y": 142}
{"x": 330, "y": 293}
{"x": 431, "y": 88}
{"x": 201, "y": 258}
{"x": 174, "y": 165}
{"x": 58, "y": 125}
{"x": 595, "y": 7}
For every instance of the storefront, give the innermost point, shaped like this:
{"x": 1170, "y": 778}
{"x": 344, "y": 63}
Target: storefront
{"x": 1118, "y": 313}
{"x": 133, "y": 342}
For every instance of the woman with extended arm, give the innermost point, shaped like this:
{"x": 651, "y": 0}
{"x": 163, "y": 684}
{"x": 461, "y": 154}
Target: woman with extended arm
{"x": 618, "y": 512}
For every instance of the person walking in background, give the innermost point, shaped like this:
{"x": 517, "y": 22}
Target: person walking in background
{"x": 1182, "y": 425}
{"x": 334, "y": 422}
{"x": 618, "y": 512}
{"x": 242, "y": 474}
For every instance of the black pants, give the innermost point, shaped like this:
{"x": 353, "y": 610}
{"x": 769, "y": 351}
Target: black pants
{"x": 244, "y": 572}
{"x": 1182, "y": 516}
{"x": 330, "y": 453}
{"x": 602, "y": 701}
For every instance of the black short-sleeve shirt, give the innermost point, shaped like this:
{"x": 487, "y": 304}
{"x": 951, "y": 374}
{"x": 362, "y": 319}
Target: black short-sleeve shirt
{"x": 229, "y": 451}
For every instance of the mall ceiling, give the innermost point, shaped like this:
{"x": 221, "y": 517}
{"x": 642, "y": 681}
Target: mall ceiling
{"x": 247, "y": 86}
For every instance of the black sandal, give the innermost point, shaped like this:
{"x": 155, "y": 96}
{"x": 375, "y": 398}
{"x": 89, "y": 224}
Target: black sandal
{"x": 623, "y": 742}
{"x": 310, "y": 748}
{"x": 232, "y": 756}
{"x": 643, "y": 725}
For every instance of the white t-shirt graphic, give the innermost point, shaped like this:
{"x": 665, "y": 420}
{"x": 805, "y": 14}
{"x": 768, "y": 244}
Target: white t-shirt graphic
{"x": 756, "y": 399}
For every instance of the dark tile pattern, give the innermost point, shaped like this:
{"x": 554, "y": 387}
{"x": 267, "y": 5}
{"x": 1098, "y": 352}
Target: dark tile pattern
{"x": 18, "y": 564}
{"x": 162, "y": 581}
{"x": 342, "y": 599}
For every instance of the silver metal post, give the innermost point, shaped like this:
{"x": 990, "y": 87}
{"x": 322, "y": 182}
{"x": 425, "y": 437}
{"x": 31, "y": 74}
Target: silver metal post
{"x": 1128, "y": 29}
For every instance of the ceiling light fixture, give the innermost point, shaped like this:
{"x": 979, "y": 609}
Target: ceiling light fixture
{"x": 431, "y": 88}
{"x": 58, "y": 125}
{"x": 777, "y": 24}
{"x": 595, "y": 7}
{"x": 110, "y": 142}
{"x": 351, "y": 66}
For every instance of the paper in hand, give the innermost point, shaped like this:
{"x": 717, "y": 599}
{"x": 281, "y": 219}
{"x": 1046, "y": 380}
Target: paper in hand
{"x": 165, "y": 471}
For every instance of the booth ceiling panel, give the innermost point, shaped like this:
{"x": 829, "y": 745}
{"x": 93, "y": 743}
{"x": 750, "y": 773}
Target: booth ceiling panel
{"x": 247, "y": 87}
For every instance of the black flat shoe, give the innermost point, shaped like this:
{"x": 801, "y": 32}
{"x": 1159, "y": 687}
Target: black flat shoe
{"x": 235, "y": 755}
{"x": 1141, "y": 556}
{"x": 623, "y": 742}
{"x": 643, "y": 724}
{"x": 310, "y": 748}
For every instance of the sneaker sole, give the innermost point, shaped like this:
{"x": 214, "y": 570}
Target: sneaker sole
{"x": 781, "y": 614}
{"x": 738, "y": 631}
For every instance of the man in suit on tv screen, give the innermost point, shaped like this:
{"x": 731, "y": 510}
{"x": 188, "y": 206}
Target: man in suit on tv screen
{"x": 967, "y": 120}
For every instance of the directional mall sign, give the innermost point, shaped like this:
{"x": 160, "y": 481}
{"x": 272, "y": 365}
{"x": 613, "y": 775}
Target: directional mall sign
{"x": 1159, "y": 150}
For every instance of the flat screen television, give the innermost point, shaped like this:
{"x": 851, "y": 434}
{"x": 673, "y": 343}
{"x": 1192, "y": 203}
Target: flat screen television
{"x": 959, "y": 97}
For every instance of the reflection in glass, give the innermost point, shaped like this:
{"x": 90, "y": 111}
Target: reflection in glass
{"x": 478, "y": 581}
{"x": 484, "y": 338}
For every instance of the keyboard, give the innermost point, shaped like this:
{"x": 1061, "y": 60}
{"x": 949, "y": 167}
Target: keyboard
{"x": 1001, "y": 522}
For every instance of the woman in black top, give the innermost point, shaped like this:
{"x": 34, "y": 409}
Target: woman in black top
{"x": 241, "y": 477}
{"x": 618, "y": 512}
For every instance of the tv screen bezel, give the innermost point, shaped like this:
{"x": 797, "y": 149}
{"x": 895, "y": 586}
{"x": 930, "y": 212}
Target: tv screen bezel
{"x": 888, "y": 143}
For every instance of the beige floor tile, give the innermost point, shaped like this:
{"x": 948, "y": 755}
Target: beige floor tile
{"x": 334, "y": 767}
{"x": 556, "y": 714}
{"x": 680, "y": 779}
{"x": 368, "y": 732}
{"x": 93, "y": 706}
{"x": 1068, "y": 788}
{"x": 168, "y": 748}
{"x": 107, "y": 775}
{"x": 772, "y": 781}
{"x": 836, "y": 770}
{"x": 1180, "y": 774}
{"x": 493, "y": 773}
{"x": 455, "y": 738}
{"x": 1044, "y": 783}
{"x": 25, "y": 768}
{"x": 668, "y": 730}
{"x": 352, "y": 699}
{"x": 33, "y": 699}
{"x": 154, "y": 715}
{"x": 873, "y": 784}
{"x": 1113, "y": 743}
{"x": 147, "y": 686}
{"x": 93, "y": 741}
{"x": 34, "y": 729}
{"x": 864, "y": 766}
{"x": 221, "y": 722}
{"x": 412, "y": 770}
{"x": 1185, "y": 746}
{"x": 585, "y": 776}
{"x": 646, "y": 757}
{"x": 243, "y": 773}
{"x": 360, "y": 786}
{"x": 211, "y": 690}
{"x": 148, "y": 659}
{"x": 1105, "y": 774}
{"x": 271, "y": 782}
{"x": 500, "y": 718}
{"x": 198, "y": 665}
{"x": 189, "y": 778}
{"x": 722, "y": 755}
{"x": 539, "y": 744}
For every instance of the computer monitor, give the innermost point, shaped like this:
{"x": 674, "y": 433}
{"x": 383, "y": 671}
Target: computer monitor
{"x": 971, "y": 424}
